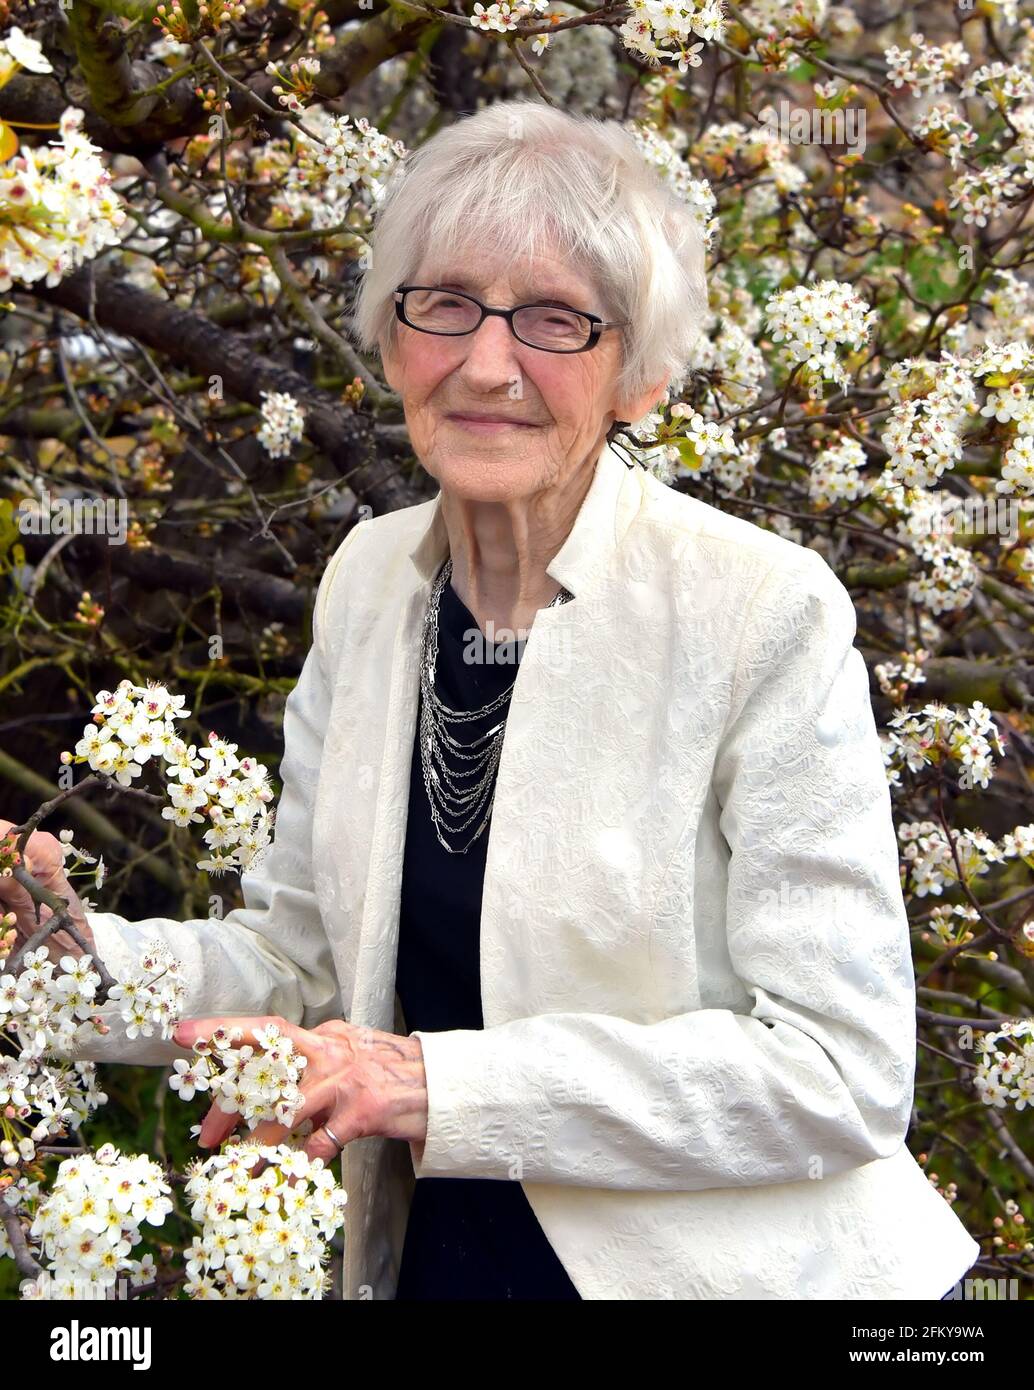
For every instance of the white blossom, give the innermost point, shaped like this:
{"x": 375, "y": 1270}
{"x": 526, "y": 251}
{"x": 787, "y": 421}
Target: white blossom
{"x": 92, "y": 1218}
{"x": 812, "y": 321}
{"x": 283, "y": 422}
{"x": 57, "y": 208}
{"x": 136, "y": 725}
{"x": 263, "y": 1236}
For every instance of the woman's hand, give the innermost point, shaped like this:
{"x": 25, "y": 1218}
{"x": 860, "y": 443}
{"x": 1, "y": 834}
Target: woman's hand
{"x": 45, "y": 861}
{"x": 360, "y": 1081}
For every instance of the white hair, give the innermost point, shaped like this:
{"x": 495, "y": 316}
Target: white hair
{"x": 522, "y": 178}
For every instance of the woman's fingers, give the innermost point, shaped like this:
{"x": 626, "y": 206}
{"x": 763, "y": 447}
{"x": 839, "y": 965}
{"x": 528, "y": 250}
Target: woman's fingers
{"x": 268, "y": 1132}
{"x": 14, "y": 898}
{"x": 320, "y": 1096}
{"x": 44, "y": 860}
{"x": 218, "y": 1125}
{"x": 189, "y": 1030}
{"x": 320, "y": 1145}
{"x": 245, "y": 1031}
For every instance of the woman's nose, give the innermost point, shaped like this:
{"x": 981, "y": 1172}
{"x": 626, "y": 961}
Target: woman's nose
{"x": 491, "y": 356}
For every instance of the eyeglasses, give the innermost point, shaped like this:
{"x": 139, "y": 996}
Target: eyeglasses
{"x": 451, "y": 314}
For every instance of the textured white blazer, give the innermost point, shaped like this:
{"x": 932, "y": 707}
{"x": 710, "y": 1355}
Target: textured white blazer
{"x": 699, "y": 1044}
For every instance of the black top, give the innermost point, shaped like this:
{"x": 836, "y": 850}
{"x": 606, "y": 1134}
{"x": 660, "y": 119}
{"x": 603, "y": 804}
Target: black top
{"x": 467, "y": 1238}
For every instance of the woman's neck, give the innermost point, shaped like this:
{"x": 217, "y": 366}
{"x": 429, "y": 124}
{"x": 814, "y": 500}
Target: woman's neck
{"x": 500, "y": 551}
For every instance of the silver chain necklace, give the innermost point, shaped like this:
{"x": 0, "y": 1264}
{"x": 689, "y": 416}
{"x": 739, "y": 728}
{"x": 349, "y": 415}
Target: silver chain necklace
{"x": 444, "y": 794}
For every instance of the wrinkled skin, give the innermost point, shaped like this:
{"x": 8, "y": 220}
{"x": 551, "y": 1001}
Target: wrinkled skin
{"x": 45, "y": 861}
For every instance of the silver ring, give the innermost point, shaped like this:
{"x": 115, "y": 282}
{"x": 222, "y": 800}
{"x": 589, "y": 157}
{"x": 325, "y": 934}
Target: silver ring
{"x": 337, "y": 1141}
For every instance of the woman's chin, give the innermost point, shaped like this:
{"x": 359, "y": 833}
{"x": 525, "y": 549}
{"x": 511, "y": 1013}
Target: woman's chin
{"x": 481, "y": 478}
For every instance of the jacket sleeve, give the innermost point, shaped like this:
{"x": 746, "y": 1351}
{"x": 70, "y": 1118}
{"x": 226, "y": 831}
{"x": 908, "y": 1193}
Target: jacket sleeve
{"x": 818, "y": 1077}
{"x": 270, "y": 957}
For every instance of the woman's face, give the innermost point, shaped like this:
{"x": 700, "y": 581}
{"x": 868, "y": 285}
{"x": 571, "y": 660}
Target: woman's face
{"x": 558, "y": 406}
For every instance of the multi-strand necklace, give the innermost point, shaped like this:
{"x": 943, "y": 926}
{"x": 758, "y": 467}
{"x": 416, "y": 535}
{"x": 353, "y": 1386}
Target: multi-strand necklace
{"x": 447, "y": 798}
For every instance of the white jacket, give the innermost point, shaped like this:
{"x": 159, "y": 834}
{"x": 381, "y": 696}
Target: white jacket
{"x": 699, "y": 1045}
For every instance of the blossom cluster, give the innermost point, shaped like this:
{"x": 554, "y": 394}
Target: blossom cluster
{"x": 578, "y": 70}
{"x": 798, "y": 17}
{"x": 134, "y": 725}
{"x": 18, "y": 50}
{"x": 733, "y": 363}
{"x": 984, "y": 194}
{"x": 894, "y": 677}
{"x": 1014, "y": 1225}
{"x": 935, "y": 409}
{"x": 503, "y": 17}
{"x": 41, "y": 1099}
{"x": 932, "y": 401}
{"x": 925, "y": 68}
{"x": 953, "y": 923}
{"x": 47, "y": 1009}
{"x": 1006, "y": 370}
{"x": 325, "y": 175}
{"x": 767, "y": 164}
{"x": 92, "y": 1218}
{"x": 263, "y": 1236}
{"x": 946, "y": 131}
{"x": 812, "y": 321}
{"x": 300, "y": 79}
{"x": 257, "y": 1083}
{"x": 928, "y": 866}
{"x": 696, "y": 193}
{"x": 1019, "y": 844}
{"x": 57, "y": 208}
{"x": 43, "y": 1011}
{"x": 689, "y": 446}
{"x": 1006, "y": 1073}
{"x": 939, "y": 734}
{"x": 835, "y": 475}
{"x": 926, "y": 524}
{"x": 985, "y": 191}
{"x": 45, "y": 1005}
{"x": 928, "y": 856}
{"x": 655, "y": 30}
{"x": 660, "y": 32}
{"x": 212, "y": 15}
{"x": 951, "y": 578}
{"x": 283, "y": 421}
{"x": 998, "y": 85}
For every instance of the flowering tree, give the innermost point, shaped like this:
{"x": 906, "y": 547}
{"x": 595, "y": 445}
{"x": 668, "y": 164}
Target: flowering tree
{"x": 186, "y": 193}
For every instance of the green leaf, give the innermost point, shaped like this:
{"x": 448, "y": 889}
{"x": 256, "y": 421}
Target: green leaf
{"x": 803, "y": 72}
{"x": 8, "y": 529}
{"x": 935, "y": 273}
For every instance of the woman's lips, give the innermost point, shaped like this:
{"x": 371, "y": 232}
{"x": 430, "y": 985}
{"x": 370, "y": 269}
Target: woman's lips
{"x": 479, "y": 426}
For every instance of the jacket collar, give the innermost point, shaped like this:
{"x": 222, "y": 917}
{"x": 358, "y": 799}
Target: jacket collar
{"x": 606, "y": 512}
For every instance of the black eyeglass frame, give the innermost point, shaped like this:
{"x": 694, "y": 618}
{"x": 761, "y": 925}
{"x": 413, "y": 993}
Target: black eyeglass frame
{"x": 596, "y": 324}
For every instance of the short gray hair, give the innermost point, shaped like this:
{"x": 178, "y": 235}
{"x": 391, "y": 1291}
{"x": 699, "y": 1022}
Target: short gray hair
{"x": 519, "y": 176}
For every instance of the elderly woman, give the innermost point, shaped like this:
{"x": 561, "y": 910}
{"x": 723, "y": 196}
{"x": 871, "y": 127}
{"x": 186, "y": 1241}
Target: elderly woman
{"x": 584, "y": 901}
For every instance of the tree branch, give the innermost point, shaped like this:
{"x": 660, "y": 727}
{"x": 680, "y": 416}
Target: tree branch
{"x": 348, "y": 439}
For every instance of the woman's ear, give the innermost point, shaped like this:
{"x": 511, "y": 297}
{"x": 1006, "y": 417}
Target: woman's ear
{"x": 632, "y": 408}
